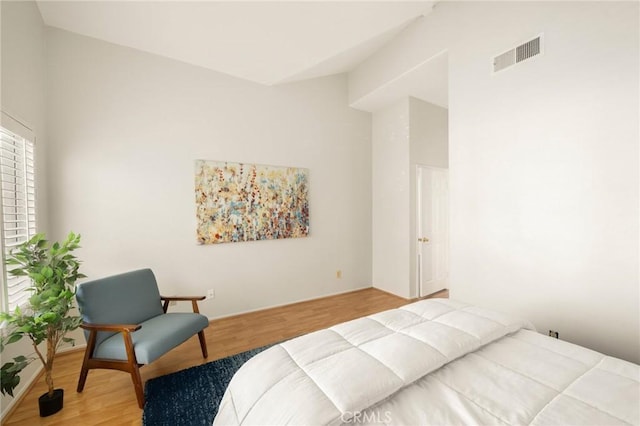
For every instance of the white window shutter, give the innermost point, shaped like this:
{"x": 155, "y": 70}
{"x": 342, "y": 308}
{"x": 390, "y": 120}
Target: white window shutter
{"x": 17, "y": 175}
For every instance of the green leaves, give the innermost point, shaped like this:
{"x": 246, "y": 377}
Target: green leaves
{"x": 13, "y": 338}
{"x": 69, "y": 340}
{"x": 53, "y": 271}
{"x": 47, "y": 272}
{"x": 10, "y": 374}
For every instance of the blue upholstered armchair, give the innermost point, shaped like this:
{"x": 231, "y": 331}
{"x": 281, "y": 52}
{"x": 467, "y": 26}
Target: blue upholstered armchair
{"x": 127, "y": 325}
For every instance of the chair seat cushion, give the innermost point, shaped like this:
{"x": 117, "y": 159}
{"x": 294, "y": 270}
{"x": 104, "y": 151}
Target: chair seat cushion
{"x": 157, "y": 336}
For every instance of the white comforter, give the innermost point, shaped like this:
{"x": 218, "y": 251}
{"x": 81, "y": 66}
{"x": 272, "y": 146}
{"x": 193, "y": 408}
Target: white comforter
{"x": 376, "y": 370}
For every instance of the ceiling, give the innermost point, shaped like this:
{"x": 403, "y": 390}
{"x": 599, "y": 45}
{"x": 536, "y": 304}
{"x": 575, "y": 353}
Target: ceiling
{"x": 265, "y": 42}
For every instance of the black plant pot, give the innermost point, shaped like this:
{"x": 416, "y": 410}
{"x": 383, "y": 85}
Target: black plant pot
{"x": 51, "y": 405}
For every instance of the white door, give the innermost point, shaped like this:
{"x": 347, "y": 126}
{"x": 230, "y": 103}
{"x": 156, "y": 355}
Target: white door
{"x": 432, "y": 226}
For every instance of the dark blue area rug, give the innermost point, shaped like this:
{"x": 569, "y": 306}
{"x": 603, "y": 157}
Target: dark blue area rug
{"x": 191, "y": 397}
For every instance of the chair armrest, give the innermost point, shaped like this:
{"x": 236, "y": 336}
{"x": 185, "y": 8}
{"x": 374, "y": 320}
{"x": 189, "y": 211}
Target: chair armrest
{"x": 111, "y": 327}
{"x": 193, "y": 299}
{"x": 181, "y": 298}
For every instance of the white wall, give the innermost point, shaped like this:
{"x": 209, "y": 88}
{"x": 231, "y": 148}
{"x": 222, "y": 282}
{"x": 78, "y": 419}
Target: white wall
{"x": 406, "y": 133}
{"x": 125, "y": 129}
{"x": 23, "y": 82}
{"x": 429, "y": 134}
{"x": 543, "y": 161}
{"x": 428, "y": 146}
{"x": 390, "y": 189}
{"x": 23, "y": 98}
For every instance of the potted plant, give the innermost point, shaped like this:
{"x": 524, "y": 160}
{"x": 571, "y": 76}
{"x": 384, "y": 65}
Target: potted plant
{"x": 53, "y": 271}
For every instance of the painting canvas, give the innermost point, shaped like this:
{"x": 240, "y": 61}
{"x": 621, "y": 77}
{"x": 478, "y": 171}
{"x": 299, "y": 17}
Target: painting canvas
{"x": 247, "y": 202}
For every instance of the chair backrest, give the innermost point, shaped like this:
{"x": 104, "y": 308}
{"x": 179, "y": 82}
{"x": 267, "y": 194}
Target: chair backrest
{"x": 128, "y": 298}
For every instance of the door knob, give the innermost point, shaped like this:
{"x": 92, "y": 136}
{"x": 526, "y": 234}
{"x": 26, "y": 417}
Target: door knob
{"x": 423, "y": 240}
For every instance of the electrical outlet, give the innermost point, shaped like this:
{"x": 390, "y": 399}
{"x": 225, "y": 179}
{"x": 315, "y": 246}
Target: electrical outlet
{"x": 554, "y": 334}
{"x": 338, "y": 273}
{"x": 173, "y": 303}
{"x": 211, "y": 294}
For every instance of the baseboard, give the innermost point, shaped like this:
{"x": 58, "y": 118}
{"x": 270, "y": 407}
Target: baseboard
{"x": 18, "y": 396}
{"x": 266, "y": 308}
{"x": 71, "y": 349}
{"x": 393, "y": 294}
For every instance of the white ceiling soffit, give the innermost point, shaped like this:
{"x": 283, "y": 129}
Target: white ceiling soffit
{"x": 428, "y": 81}
{"x": 265, "y": 42}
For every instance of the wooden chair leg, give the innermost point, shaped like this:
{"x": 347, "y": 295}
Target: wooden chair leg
{"x": 88, "y": 353}
{"x": 133, "y": 368}
{"x": 83, "y": 378}
{"x": 203, "y": 344}
{"x": 137, "y": 385}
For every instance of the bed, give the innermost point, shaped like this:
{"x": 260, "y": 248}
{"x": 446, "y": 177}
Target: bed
{"x": 436, "y": 361}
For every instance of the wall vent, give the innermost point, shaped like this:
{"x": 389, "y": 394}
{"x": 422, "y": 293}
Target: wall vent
{"x": 518, "y": 54}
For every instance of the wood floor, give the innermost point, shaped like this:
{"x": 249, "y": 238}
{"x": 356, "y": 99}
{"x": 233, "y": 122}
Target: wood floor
{"x": 109, "y": 398}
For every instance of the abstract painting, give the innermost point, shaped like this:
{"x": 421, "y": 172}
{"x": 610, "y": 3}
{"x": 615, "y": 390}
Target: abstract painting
{"x": 248, "y": 202}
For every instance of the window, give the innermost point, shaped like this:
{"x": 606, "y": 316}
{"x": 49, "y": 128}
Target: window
{"x": 18, "y": 206}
